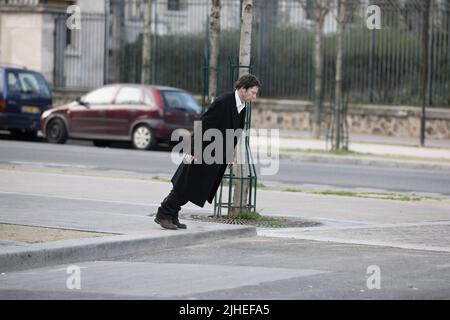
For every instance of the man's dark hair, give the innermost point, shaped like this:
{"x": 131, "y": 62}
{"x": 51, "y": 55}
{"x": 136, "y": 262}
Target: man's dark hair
{"x": 247, "y": 81}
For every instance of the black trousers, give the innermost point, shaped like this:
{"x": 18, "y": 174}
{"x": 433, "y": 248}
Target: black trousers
{"x": 171, "y": 205}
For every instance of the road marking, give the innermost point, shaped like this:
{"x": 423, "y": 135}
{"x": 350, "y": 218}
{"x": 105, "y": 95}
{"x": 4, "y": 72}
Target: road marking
{"x": 50, "y": 164}
{"x": 408, "y": 246}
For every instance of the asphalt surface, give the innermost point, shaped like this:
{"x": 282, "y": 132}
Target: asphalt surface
{"x": 71, "y": 186}
{"x": 80, "y": 154}
{"x": 246, "y": 268}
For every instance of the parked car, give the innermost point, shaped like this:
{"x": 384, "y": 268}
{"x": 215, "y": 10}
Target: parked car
{"x": 24, "y": 95}
{"x": 142, "y": 114}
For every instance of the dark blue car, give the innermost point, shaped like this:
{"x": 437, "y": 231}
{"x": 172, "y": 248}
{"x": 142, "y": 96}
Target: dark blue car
{"x": 24, "y": 95}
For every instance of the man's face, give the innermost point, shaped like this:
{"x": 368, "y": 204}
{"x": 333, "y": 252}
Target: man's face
{"x": 250, "y": 94}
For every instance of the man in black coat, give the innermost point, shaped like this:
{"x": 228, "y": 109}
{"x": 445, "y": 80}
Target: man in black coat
{"x": 197, "y": 180}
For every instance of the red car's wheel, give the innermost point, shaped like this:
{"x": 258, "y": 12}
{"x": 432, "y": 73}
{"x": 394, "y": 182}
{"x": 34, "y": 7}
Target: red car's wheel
{"x": 143, "y": 138}
{"x": 56, "y": 131}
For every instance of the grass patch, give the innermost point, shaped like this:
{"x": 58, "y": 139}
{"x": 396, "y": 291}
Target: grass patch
{"x": 362, "y": 154}
{"x": 370, "y": 195}
{"x": 343, "y": 152}
{"x": 374, "y": 195}
{"x": 255, "y": 216}
{"x": 261, "y": 185}
{"x": 337, "y": 193}
{"x": 248, "y": 215}
{"x": 157, "y": 178}
{"x": 321, "y": 151}
{"x": 226, "y": 183}
{"x": 292, "y": 190}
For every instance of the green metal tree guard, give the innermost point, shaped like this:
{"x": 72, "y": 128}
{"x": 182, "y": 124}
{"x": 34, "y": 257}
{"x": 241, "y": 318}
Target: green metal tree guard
{"x": 337, "y": 130}
{"x": 223, "y": 199}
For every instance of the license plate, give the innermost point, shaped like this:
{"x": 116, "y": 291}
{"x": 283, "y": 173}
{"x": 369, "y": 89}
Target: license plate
{"x": 30, "y": 109}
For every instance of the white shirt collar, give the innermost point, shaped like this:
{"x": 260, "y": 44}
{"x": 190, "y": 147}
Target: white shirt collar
{"x": 239, "y": 104}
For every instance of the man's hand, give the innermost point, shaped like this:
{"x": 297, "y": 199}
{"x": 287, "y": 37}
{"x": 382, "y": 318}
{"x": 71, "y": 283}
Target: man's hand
{"x": 188, "y": 159}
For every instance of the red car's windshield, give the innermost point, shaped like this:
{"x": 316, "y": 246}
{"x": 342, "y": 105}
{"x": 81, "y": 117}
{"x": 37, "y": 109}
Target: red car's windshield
{"x": 180, "y": 99}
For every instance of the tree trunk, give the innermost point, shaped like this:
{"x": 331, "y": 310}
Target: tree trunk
{"x": 448, "y": 50}
{"x": 214, "y": 33}
{"x": 246, "y": 36}
{"x": 320, "y": 10}
{"x": 146, "y": 44}
{"x": 318, "y": 27}
{"x": 240, "y": 192}
{"x": 338, "y": 88}
{"x": 117, "y": 36}
{"x": 424, "y": 67}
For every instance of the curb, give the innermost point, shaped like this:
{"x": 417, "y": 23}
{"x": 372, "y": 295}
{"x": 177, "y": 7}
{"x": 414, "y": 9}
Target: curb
{"x": 71, "y": 251}
{"x": 367, "y": 161}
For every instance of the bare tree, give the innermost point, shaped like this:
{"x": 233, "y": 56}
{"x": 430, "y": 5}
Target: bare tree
{"x": 318, "y": 10}
{"x": 424, "y": 83}
{"x": 342, "y": 19}
{"x": 146, "y": 43}
{"x": 117, "y": 38}
{"x": 214, "y": 34}
{"x": 246, "y": 36}
{"x": 240, "y": 191}
{"x": 339, "y": 51}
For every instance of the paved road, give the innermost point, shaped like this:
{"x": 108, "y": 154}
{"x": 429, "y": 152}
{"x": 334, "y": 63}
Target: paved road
{"x": 246, "y": 268}
{"x": 122, "y": 158}
{"x": 406, "y": 241}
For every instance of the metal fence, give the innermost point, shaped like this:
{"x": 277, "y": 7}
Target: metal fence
{"x": 80, "y": 59}
{"x": 380, "y": 66}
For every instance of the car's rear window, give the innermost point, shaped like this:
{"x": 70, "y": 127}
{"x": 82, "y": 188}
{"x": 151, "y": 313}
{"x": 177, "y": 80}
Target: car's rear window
{"x": 180, "y": 99}
{"x": 27, "y": 82}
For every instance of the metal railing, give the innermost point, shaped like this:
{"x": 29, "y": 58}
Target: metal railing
{"x": 20, "y": 2}
{"x": 380, "y": 66}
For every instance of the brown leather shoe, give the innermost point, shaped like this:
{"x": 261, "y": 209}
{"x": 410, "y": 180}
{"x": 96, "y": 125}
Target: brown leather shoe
{"x": 166, "y": 224}
{"x": 179, "y": 225}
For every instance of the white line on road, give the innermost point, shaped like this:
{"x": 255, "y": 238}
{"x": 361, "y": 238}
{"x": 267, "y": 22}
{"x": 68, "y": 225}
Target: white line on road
{"x": 50, "y": 164}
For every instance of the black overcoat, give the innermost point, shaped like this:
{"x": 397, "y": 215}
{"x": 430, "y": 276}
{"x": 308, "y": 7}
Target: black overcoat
{"x": 198, "y": 182}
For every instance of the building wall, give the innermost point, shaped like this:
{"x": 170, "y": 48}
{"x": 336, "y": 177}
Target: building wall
{"x": 84, "y": 58}
{"x": 21, "y": 39}
{"x": 27, "y": 38}
{"x": 399, "y": 121}
{"x": 47, "y": 46}
{"x": 97, "y": 6}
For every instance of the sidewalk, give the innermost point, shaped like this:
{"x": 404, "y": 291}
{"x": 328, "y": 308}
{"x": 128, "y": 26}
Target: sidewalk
{"x": 375, "y": 139}
{"x": 100, "y": 205}
{"x": 363, "y": 149}
{"x": 110, "y": 222}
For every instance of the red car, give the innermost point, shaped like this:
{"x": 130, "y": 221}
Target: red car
{"x": 141, "y": 114}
